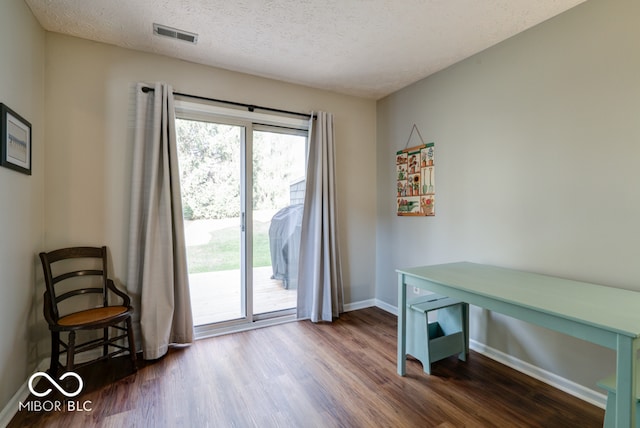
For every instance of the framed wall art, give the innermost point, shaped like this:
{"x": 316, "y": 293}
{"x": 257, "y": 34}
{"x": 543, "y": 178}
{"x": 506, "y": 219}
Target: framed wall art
{"x": 415, "y": 173}
{"x": 15, "y": 141}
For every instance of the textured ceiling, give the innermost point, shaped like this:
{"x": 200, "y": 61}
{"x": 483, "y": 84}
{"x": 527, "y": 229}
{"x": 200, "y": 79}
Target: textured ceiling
{"x": 367, "y": 48}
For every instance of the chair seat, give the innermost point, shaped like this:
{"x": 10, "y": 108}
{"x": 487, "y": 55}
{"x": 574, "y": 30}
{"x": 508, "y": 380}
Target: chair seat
{"x": 74, "y": 278}
{"x": 91, "y": 316}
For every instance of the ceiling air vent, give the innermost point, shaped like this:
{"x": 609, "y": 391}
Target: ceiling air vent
{"x": 174, "y": 33}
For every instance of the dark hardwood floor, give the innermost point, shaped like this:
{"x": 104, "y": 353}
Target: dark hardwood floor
{"x": 304, "y": 375}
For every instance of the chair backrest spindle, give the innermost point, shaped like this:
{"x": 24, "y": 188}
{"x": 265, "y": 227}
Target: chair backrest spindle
{"x": 67, "y": 273}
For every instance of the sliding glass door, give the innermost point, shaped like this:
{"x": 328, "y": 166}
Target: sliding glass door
{"x": 278, "y": 196}
{"x": 210, "y": 158}
{"x": 242, "y": 190}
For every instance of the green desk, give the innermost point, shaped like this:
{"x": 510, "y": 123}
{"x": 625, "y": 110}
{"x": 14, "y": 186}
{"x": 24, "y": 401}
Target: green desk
{"x": 603, "y": 315}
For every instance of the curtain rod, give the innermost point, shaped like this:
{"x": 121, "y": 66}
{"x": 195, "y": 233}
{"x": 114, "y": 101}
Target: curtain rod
{"x": 249, "y": 107}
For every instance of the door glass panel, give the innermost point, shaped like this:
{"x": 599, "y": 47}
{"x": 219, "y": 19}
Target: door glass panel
{"x": 278, "y": 195}
{"x": 210, "y": 177}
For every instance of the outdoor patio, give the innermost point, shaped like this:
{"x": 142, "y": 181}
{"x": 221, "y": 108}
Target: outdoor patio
{"x": 215, "y": 296}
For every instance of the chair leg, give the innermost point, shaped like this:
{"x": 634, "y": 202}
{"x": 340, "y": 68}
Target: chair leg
{"x": 105, "y": 339}
{"x": 55, "y": 353}
{"x": 71, "y": 350}
{"x": 132, "y": 344}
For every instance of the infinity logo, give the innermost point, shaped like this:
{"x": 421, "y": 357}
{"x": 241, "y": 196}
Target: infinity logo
{"x": 54, "y": 383}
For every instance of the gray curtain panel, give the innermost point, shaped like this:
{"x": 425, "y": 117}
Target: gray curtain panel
{"x": 157, "y": 271}
{"x": 319, "y": 270}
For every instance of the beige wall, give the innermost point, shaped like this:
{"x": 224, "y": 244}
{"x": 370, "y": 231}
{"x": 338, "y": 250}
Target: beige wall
{"x": 89, "y": 104}
{"x": 79, "y": 194}
{"x": 537, "y": 152}
{"x": 21, "y": 196}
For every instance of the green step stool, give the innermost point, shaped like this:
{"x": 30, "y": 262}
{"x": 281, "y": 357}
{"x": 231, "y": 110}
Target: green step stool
{"x": 432, "y": 341}
{"x": 609, "y": 384}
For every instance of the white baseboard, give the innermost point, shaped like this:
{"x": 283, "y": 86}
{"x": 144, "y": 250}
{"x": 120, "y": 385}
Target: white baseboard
{"x": 348, "y": 307}
{"x": 22, "y": 394}
{"x": 369, "y": 304}
{"x": 570, "y": 387}
{"x": 12, "y": 406}
{"x": 387, "y": 307}
{"x": 586, "y": 394}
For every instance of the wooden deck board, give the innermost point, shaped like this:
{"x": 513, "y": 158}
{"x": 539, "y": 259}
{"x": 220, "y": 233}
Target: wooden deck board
{"x": 215, "y": 296}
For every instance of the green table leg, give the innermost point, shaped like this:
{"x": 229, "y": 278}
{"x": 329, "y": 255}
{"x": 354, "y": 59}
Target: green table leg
{"x": 402, "y": 325}
{"x": 625, "y": 383}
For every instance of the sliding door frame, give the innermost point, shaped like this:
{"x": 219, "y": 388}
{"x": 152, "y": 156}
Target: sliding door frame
{"x": 248, "y": 122}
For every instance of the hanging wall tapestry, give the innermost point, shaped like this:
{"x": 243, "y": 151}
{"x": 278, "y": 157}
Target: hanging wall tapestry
{"x": 415, "y": 172}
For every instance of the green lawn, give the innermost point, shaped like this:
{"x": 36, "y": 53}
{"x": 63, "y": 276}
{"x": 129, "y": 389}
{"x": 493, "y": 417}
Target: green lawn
{"x": 222, "y": 252}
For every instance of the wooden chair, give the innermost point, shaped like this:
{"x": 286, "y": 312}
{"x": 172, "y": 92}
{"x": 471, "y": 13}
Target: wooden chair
{"x": 72, "y": 276}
